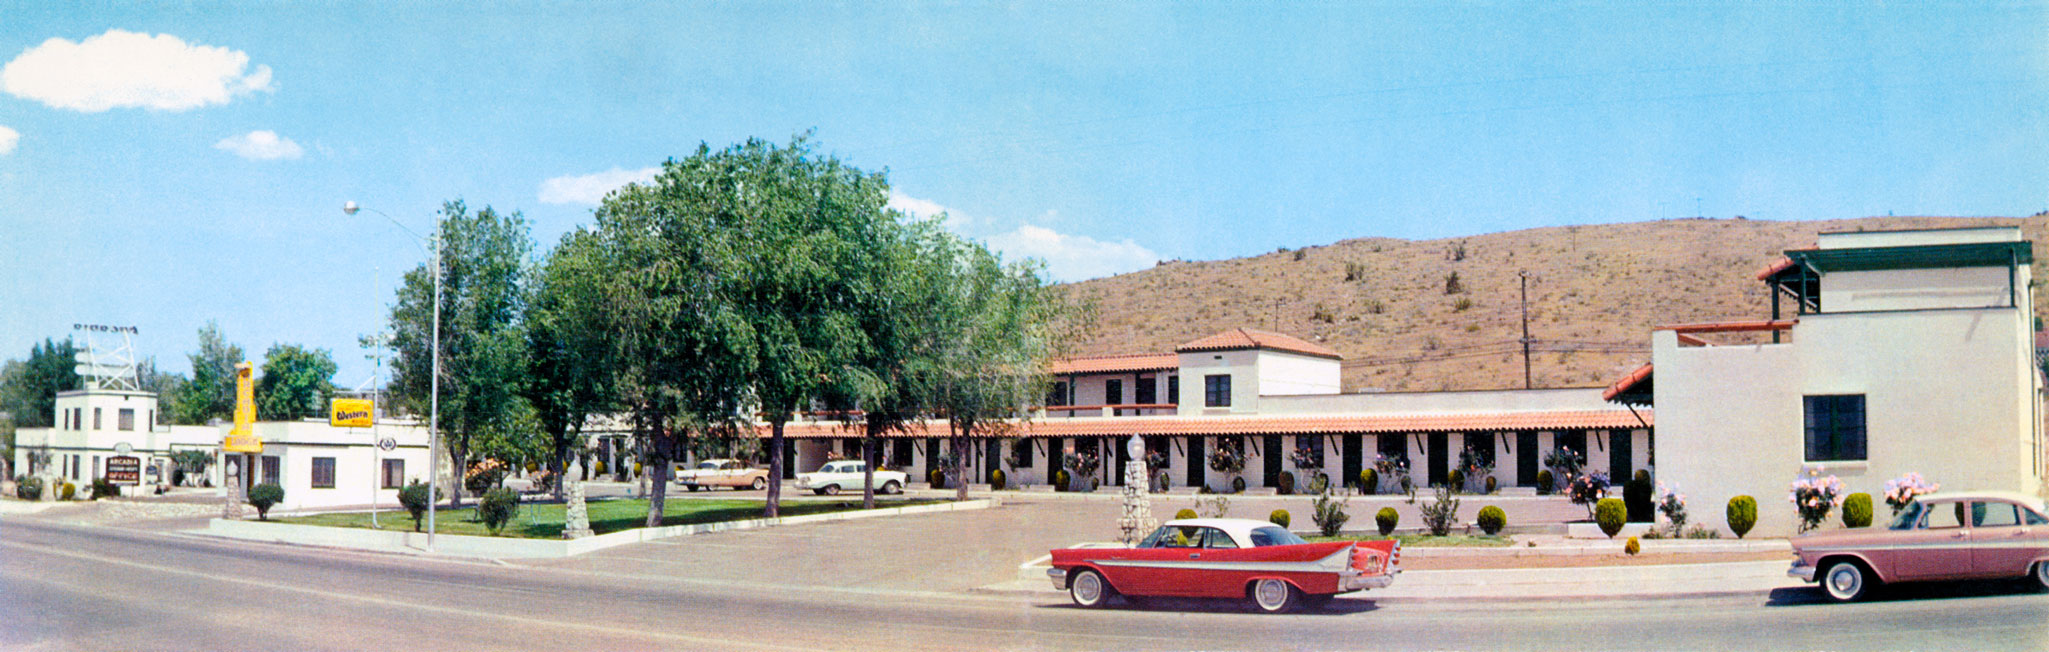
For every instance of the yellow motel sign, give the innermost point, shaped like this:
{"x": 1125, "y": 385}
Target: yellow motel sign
{"x": 242, "y": 438}
{"x": 350, "y": 413}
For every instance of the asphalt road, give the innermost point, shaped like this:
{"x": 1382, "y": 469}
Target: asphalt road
{"x": 66, "y": 587}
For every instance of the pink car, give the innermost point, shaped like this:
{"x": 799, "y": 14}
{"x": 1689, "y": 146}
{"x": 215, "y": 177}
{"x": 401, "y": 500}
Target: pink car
{"x": 1950, "y": 536}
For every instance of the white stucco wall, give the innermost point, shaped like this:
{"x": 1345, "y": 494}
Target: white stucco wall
{"x": 1282, "y": 373}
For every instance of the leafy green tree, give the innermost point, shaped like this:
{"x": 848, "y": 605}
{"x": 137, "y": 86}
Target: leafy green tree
{"x": 568, "y": 356}
{"x": 483, "y": 274}
{"x": 165, "y": 385}
{"x": 211, "y": 392}
{"x": 28, "y": 390}
{"x": 892, "y": 380}
{"x": 296, "y": 383}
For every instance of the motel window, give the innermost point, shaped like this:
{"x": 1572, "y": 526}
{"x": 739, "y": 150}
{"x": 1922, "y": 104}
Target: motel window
{"x": 1148, "y": 390}
{"x": 125, "y": 419}
{"x": 323, "y": 473}
{"x": 1058, "y": 396}
{"x": 77, "y": 418}
{"x": 1113, "y": 392}
{"x": 1216, "y": 390}
{"x": 1313, "y": 445}
{"x": 394, "y": 474}
{"x": 1021, "y": 454}
{"x": 1174, "y": 389}
{"x": 96, "y": 419}
{"x": 1835, "y": 427}
{"x": 66, "y": 415}
{"x": 1482, "y": 446}
{"x": 270, "y": 470}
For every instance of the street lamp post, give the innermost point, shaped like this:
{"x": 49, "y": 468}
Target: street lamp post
{"x": 434, "y": 377}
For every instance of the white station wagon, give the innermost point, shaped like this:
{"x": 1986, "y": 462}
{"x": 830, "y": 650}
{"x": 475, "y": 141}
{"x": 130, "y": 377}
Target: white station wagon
{"x": 847, "y": 475}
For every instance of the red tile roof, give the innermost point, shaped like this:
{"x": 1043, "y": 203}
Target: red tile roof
{"x": 1117, "y": 363}
{"x": 1247, "y": 338}
{"x": 1775, "y": 268}
{"x": 1274, "y": 425}
{"x": 1627, "y": 382}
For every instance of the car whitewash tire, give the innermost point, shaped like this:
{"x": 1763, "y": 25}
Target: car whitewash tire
{"x": 2041, "y": 576}
{"x": 892, "y": 487}
{"x": 760, "y": 484}
{"x": 1846, "y": 581}
{"x": 1275, "y": 596}
{"x": 1088, "y": 589}
{"x": 831, "y": 490}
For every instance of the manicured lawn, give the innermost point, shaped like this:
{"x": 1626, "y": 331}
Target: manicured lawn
{"x": 1428, "y": 541}
{"x": 544, "y": 521}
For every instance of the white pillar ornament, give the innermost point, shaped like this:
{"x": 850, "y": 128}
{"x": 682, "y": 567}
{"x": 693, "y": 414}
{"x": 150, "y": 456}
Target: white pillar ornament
{"x": 1137, "y": 520}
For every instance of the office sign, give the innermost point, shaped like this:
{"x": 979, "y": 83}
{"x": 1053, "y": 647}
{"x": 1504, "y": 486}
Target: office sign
{"x": 124, "y": 469}
{"x": 350, "y": 413}
{"x": 242, "y": 437}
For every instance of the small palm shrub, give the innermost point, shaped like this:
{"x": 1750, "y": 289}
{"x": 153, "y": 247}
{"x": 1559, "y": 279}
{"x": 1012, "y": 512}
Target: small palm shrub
{"x": 498, "y": 507}
{"x": 1369, "y": 481}
{"x": 264, "y": 496}
{"x": 1329, "y": 514}
{"x": 1386, "y": 519}
{"x": 1440, "y": 514}
{"x": 1857, "y": 510}
{"x": 1184, "y": 514}
{"x": 104, "y": 488}
{"x": 1742, "y": 514}
{"x": 1544, "y": 482}
{"x": 1278, "y": 517}
{"x": 1610, "y": 514}
{"x": 997, "y": 481}
{"x": 1492, "y": 519}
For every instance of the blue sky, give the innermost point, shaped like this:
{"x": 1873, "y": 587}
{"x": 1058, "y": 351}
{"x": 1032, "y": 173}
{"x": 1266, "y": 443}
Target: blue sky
{"x": 168, "y": 164}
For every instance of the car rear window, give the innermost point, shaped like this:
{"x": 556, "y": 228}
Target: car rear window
{"x": 1984, "y": 514}
{"x": 1274, "y": 536}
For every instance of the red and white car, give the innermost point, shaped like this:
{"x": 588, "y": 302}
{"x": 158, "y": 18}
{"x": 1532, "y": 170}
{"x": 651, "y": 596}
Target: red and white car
{"x": 723, "y": 473}
{"x": 1948, "y": 536}
{"x": 1258, "y": 561}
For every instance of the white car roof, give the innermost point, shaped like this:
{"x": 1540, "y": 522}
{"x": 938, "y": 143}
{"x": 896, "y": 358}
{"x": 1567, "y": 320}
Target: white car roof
{"x": 1240, "y": 529}
{"x": 2014, "y": 496}
{"x": 719, "y": 460}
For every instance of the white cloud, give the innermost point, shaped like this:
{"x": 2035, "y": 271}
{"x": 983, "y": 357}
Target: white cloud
{"x": 590, "y": 189}
{"x": 1073, "y": 257}
{"x": 8, "y": 137}
{"x": 261, "y": 145}
{"x": 122, "y": 69}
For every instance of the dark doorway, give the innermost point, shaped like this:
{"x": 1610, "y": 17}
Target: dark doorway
{"x": 1440, "y": 454}
{"x": 1353, "y": 460}
{"x": 1526, "y": 459}
{"x": 992, "y": 456}
{"x": 900, "y": 453}
{"x": 1053, "y": 452}
{"x": 1618, "y": 456}
{"x": 1273, "y": 460}
{"x": 1573, "y": 440}
{"x": 789, "y": 458}
{"x": 1123, "y": 457}
{"x": 931, "y": 455}
{"x": 1196, "y": 461}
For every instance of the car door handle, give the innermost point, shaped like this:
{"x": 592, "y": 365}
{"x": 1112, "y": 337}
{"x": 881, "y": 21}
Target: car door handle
{"x": 1958, "y": 535}
{"x": 1194, "y": 555}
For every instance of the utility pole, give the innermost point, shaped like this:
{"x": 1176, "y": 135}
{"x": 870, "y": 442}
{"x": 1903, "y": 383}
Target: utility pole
{"x": 1524, "y": 275}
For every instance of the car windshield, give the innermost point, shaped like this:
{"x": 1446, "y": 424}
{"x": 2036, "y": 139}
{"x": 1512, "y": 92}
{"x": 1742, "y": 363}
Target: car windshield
{"x": 1907, "y": 518}
{"x": 1273, "y": 535}
{"x": 708, "y": 465}
{"x": 1173, "y": 536}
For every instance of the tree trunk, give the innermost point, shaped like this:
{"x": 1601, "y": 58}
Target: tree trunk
{"x": 868, "y": 468}
{"x": 960, "y": 456}
{"x": 458, "y": 456}
{"x": 655, "y": 466}
{"x": 774, "y": 500}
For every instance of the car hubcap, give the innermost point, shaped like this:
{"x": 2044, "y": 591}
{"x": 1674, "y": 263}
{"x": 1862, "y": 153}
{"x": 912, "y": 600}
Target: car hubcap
{"x": 1088, "y": 589}
{"x": 1844, "y": 580}
{"x": 1271, "y": 593}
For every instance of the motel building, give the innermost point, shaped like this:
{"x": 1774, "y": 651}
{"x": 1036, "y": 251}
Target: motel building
{"x": 1268, "y": 395}
{"x": 1903, "y": 351}
{"x": 111, "y": 433}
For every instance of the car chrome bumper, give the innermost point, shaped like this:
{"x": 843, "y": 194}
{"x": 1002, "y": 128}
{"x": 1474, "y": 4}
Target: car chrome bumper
{"x": 1360, "y": 582}
{"x": 1059, "y": 577}
{"x": 1802, "y": 571}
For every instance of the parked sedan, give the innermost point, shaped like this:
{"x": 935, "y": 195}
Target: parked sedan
{"x": 836, "y": 477}
{"x": 1258, "y": 561}
{"x": 1951, "y": 536}
{"x": 723, "y": 473}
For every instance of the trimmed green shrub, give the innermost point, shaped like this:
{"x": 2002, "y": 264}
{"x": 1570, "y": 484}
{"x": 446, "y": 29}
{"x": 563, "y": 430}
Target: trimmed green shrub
{"x": 1857, "y": 510}
{"x": 498, "y": 507}
{"x": 1491, "y": 484}
{"x": 1184, "y": 514}
{"x": 1636, "y": 499}
{"x": 1492, "y": 519}
{"x": 1632, "y": 547}
{"x": 264, "y": 496}
{"x": 1641, "y": 475}
{"x": 104, "y": 488}
{"x": 1287, "y": 483}
{"x": 67, "y": 491}
{"x": 937, "y": 477}
{"x": 1610, "y": 514}
{"x": 1742, "y": 515}
{"x": 1386, "y": 519}
{"x": 28, "y": 487}
{"x": 1457, "y": 480}
{"x": 997, "y": 481}
{"x": 1544, "y": 481}
{"x": 1369, "y": 481}
{"x": 1278, "y": 517}
{"x": 414, "y": 498}
{"x": 1061, "y": 479}
{"x": 1237, "y": 485}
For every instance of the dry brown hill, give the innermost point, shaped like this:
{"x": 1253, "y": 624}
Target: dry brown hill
{"x": 1595, "y": 293}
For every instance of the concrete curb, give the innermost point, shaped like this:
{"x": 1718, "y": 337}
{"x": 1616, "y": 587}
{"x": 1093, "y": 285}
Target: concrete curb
{"x": 1527, "y": 584}
{"x": 509, "y": 548}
